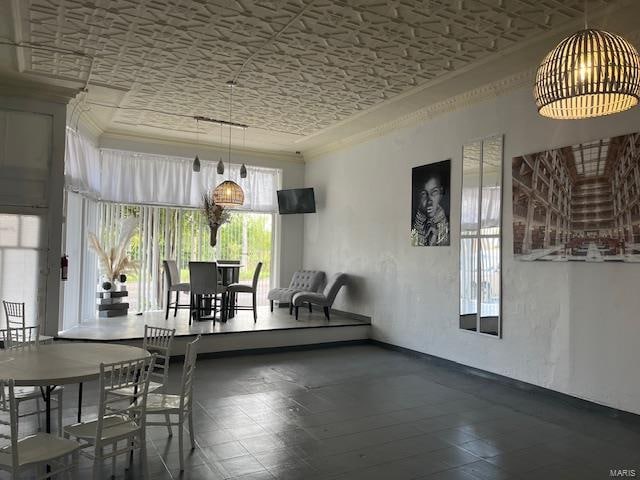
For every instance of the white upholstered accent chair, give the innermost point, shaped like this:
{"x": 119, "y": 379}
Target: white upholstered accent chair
{"x": 119, "y": 429}
{"x": 324, "y": 299}
{"x": 32, "y": 452}
{"x": 302, "y": 281}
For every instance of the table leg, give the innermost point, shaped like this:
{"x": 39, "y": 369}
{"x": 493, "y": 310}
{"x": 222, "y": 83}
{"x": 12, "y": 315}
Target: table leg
{"x": 47, "y": 401}
{"x": 79, "y": 402}
{"x": 231, "y": 305}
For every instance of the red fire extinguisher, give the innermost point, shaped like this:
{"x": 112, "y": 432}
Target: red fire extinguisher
{"x": 64, "y": 267}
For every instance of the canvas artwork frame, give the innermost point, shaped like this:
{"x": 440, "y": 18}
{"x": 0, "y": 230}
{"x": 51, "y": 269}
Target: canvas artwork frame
{"x": 578, "y": 203}
{"x": 431, "y": 205}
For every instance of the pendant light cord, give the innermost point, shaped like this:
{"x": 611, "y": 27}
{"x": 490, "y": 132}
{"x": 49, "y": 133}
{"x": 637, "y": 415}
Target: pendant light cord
{"x": 230, "y": 110}
{"x": 586, "y": 27}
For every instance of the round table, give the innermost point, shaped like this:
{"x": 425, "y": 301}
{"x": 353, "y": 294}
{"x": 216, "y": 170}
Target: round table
{"x": 48, "y": 366}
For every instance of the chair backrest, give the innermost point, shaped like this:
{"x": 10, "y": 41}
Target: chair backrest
{"x": 14, "y": 314}
{"x": 188, "y": 371}
{"x": 9, "y": 418}
{"x": 334, "y": 285}
{"x": 159, "y": 341}
{"x": 20, "y": 337}
{"x": 307, "y": 280}
{"x": 256, "y": 276}
{"x": 114, "y": 377}
{"x": 203, "y": 277}
{"x": 171, "y": 273}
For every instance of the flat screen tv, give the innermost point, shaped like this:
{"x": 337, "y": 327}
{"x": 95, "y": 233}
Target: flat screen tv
{"x": 296, "y": 200}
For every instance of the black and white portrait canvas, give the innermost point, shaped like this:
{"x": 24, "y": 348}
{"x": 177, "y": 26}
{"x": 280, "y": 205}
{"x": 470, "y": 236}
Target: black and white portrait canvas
{"x": 430, "y": 205}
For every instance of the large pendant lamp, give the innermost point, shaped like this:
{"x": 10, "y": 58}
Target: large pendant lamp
{"x": 229, "y": 193}
{"x": 589, "y": 74}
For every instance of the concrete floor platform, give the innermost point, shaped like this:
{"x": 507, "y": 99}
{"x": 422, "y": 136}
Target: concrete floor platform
{"x": 272, "y": 330}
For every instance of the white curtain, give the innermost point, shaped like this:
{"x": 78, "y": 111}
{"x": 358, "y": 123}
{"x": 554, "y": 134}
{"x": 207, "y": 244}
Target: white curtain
{"x": 140, "y": 178}
{"x": 82, "y": 165}
{"x": 491, "y": 202}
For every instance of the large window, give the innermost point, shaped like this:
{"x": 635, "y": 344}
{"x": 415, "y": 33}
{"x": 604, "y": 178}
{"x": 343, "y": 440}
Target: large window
{"x": 22, "y": 266}
{"x": 182, "y": 234}
{"x": 480, "y": 237}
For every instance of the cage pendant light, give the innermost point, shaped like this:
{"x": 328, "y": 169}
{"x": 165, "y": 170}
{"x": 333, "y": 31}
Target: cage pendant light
{"x": 589, "y": 74}
{"x": 229, "y": 193}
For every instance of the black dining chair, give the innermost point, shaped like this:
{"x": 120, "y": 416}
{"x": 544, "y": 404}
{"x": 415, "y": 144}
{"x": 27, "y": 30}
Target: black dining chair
{"x": 236, "y": 288}
{"x": 205, "y": 289}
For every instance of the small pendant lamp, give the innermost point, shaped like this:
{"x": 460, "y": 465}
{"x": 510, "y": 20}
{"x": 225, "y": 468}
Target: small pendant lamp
{"x": 229, "y": 193}
{"x": 196, "y": 161}
{"x": 589, "y": 74}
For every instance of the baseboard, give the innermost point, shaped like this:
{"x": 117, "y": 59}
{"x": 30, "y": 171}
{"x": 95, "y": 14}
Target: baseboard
{"x": 581, "y": 403}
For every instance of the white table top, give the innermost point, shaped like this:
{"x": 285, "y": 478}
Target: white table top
{"x": 63, "y": 363}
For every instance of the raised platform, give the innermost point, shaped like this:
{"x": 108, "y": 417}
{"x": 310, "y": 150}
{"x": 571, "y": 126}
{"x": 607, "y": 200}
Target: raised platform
{"x": 272, "y": 330}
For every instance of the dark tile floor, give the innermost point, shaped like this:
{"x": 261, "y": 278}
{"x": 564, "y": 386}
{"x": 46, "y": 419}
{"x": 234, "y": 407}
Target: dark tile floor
{"x": 365, "y": 413}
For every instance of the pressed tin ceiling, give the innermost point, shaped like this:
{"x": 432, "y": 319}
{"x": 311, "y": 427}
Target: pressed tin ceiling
{"x": 307, "y": 64}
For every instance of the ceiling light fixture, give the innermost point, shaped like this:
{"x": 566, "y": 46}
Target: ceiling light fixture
{"x": 589, "y": 74}
{"x": 196, "y": 161}
{"x": 229, "y": 193}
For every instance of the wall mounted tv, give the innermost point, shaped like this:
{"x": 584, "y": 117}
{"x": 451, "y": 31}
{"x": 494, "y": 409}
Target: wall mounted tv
{"x": 296, "y": 200}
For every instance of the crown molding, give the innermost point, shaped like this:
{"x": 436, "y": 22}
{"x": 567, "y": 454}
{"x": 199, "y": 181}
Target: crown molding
{"x": 12, "y": 86}
{"x": 457, "y": 102}
{"x": 107, "y": 136}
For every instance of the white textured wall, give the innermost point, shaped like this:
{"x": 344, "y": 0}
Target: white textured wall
{"x": 574, "y": 328}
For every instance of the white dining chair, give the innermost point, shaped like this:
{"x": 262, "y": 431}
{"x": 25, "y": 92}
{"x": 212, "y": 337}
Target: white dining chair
{"x": 156, "y": 340}
{"x": 21, "y": 338}
{"x": 32, "y": 452}
{"x": 118, "y": 426}
{"x": 180, "y": 404}
{"x": 15, "y": 317}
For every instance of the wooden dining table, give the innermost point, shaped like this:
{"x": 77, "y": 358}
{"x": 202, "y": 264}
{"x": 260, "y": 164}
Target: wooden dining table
{"x": 48, "y": 366}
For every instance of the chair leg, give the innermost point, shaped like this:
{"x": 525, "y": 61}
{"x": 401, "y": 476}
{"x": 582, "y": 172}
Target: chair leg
{"x": 271, "y": 304}
{"x": 175, "y": 309}
{"x": 59, "y": 412}
{"x": 97, "y": 464}
{"x": 290, "y": 307}
{"x": 114, "y": 447}
{"x": 191, "y": 432}
{"x": 310, "y": 309}
{"x": 255, "y": 308}
{"x": 181, "y": 442}
{"x": 167, "y": 419}
{"x": 326, "y": 312}
{"x": 190, "y": 307}
{"x": 166, "y": 313}
{"x": 296, "y": 309}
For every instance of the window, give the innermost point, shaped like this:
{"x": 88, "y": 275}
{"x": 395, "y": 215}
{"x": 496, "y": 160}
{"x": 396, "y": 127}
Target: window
{"x": 183, "y": 234}
{"x": 481, "y": 237}
{"x": 22, "y": 268}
